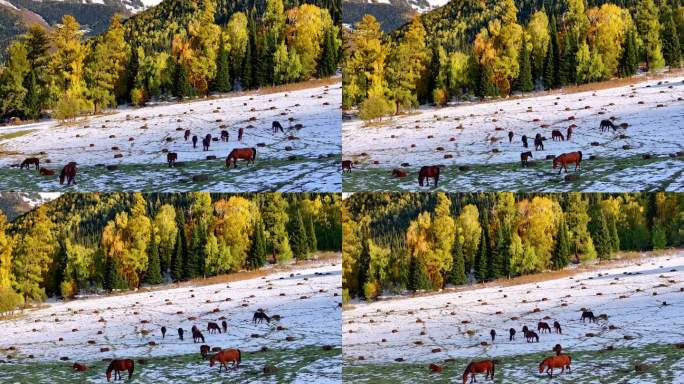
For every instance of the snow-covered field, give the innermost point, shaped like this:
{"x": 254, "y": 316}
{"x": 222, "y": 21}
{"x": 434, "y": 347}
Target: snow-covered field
{"x": 305, "y": 159}
{"x": 306, "y": 299}
{"x": 475, "y": 136}
{"x": 448, "y": 328}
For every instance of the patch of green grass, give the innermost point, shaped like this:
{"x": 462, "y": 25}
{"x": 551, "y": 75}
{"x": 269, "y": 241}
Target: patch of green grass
{"x": 14, "y": 135}
{"x": 616, "y": 366}
{"x": 310, "y": 361}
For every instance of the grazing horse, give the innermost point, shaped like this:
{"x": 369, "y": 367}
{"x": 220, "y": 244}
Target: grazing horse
{"x": 248, "y": 154}
{"x": 118, "y": 366}
{"x": 558, "y": 349}
{"x": 511, "y": 334}
{"x": 524, "y": 140}
{"x": 197, "y": 336}
{"x": 568, "y": 158}
{"x": 524, "y": 157}
{"x": 68, "y": 172}
{"x": 525, "y": 329}
{"x": 538, "y": 142}
{"x": 556, "y": 134}
{"x": 163, "y": 330}
{"x": 194, "y": 141}
{"x": 46, "y": 172}
{"x": 543, "y": 326}
{"x": 398, "y": 173}
{"x": 347, "y": 166}
{"x": 226, "y": 355}
{"x": 180, "y": 333}
{"x": 276, "y": 126}
{"x": 241, "y": 132}
{"x": 606, "y": 125}
{"x": 510, "y": 136}
{"x": 559, "y": 361}
{"x": 568, "y": 135}
{"x": 260, "y": 316}
{"x": 529, "y": 335}
{"x": 211, "y": 327}
{"x": 225, "y": 135}
{"x": 224, "y": 324}
{"x": 29, "y": 162}
{"x": 427, "y": 172}
{"x": 590, "y": 316}
{"x": 171, "y": 158}
{"x": 187, "y": 134}
{"x": 204, "y": 350}
{"x": 484, "y": 366}
{"x": 79, "y": 367}
{"x": 206, "y": 142}
{"x": 492, "y": 333}
{"x": 557, "y": 327}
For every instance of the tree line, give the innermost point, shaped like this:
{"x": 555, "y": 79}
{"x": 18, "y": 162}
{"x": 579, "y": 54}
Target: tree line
{"x": 401, "y": 241}
{"x": 482, "y": 48}
{"x": 89, "y": 241}
{"x": 173, "y": 49}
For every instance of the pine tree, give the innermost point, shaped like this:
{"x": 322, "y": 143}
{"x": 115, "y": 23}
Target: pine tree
{"x": 181, "y": 83}
{"x": 524, "y": 82}
{"x": 561, "y": 252}
{"x": 298, "y": 238}
{"x": 482, "y": 257}
{"x": 629, "y": 60}
{"x": 178, "y": 259}
{"x": 549, "y": 69}
{"x": 568, "y": 73}
{"x": 246, "y": 77}
{"x": 418, "y": 275}
{"x": 222, "y": 81}
{"x": 311, "y": 234}
{"x": 556, "y": 52}
{"x": 328, "y": 62}
{"x": 153, "y": 275}
{"x": 457, "y": 275}
{"x": 497, "y": 266}
{"x": 670, "y": 39}
{"x": 598, "y": 229}
{"x": 257, "y": 252}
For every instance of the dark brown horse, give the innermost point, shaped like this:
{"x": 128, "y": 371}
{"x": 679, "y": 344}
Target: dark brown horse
{"x": 347, "y": 166}
{"x": 568, "y": 158}
{"x": 557, "y": 327}
{"x": 241, "y": 132}
{"x": 260, "y": 316}
{"x": 568, "y": 135}
{"x": 29, "y": 162}
{"x": 197, "y": 336}
{"x": 46, "y": 172}
{"x": 118, "y": 366}
{"x": 556, "y": 134}
{"x": 559, "y": 361}
{"x": 399, "y": 173}
{"x": 163, "y": 331}
{"x": 204, "y": 350}
{"x": 226, "y": 355}
{"x": 427, "y": 172}
{"x": 511, "y": 334}
{"x": 194, "y": 141}
{"x": 171, "y": 158}
{"x": 543, "y": 326}
{"x": 79, "y": 367}
{"x": 558, "y": 349}
{"x": 589, "y": 315}
{"x": 68, "y": 173}
{"x": 211, "y": 327}
{"x": 524, "y": 157}
{"x": 538, "y": 142}
{"x": 248, "y": 154}
{"x": 225, "y": 135}
{"x": 475, "y": 367}
{"x": 510, "y": 136}
{"x": 224, "y": 324}
{"x": 606, "y": 125}
{"x": 524, "y": 140}
{"x": 180, "y": 333}
{"x": 492, "y": 334}
{"x": 187, "y": 134}
{"x": 276, "y": 126}
{"x": 206, "y": 142}
{"x": 531, "y": 335}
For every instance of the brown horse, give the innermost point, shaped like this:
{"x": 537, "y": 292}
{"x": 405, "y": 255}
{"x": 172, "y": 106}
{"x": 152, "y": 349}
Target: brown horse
{"x": 524, "y": 140}
{"x": 538, "y": 142}
{"x": 427, "y": 172}
{"x": 556, "y": 134}
{"x": 260, "y": 316}
{"x": 68, "y": 172}
{"x": 510, "y": 136}
{"x": 211, "y": 327}
{"x": 399, "y": 173}
{"x": 606, "y": 125}
{"x": 276, "y": 126}
{"x": 224, "y": 324}
{"x": 543, "y": 326}
{"x": 524, "y": 157}
{"x": 118, "y": 366}
{"x": 557, "y": 327}
{"x": 241, "y": 132}
{"x": 531, "y": 335}
{"x": 484, "y": 366}
{"x": 226, "y": 355}
{"x": 347, "y": 166}
{"x": 46, "y": 172}
{"x": 248, "y": 154}
{"x": 559, "y": 361}
{"x": 511, "y": 334}
{"x": 589, "y": 315}
{"x": 197, "y": 336}
{"x": 29, "y": 162}
{"x": 194, "y": 141}
{"x": 568, "y": 158}
{"x": 225, "y": 135}
{"x": 568, "y": 135}
{"x": 204, "y": 350}
{"x": 79, "y": 367}
{"x": 171, "y": 158}
{"x": 206, "y": 142}
{"x": 187, "y": 134}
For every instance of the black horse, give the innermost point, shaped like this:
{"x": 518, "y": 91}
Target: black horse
{"x": 180, "y": 333}
{"x": 260, "y": 316}
{"x": 276, "y": 126}
{"x": 511, "y": 334}
{"x": 194, "y": 141}
{"x": 538, "y": 142}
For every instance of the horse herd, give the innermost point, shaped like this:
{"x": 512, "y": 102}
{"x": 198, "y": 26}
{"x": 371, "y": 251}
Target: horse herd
{"x": 559, "y": 360}
{"x": 68, "y": 172}
{"x": 561, "y": 161}
{"x": 222, "y": 356}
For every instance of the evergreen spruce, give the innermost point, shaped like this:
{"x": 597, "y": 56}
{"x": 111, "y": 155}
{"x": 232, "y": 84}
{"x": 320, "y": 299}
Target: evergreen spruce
{"x": 177, "y": 268}
{"x": 256, "y": 257}
{"x": 418, "y": 276}
{"x": 457, "y": 275}
{"x": 482, "y": 258}
{"x": 568, "y": 67}
{"x": 328, "y": 64}
{"x": 524, "y": 82}
{"x": 598, "y": 228}
{"x": 222, "y": 81}
{"x": 670, "y": 39}
{"x": 549, "y": 69}
{"x": 181, "y": 83}
{"x": 497, "y": 267}
{"x": 298, "y": 239}
{"x": 561, "y": 252}
{"x": 311, "y": 234}
{"x": 629, "y": 60}
{"x": 153, "y": 275}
